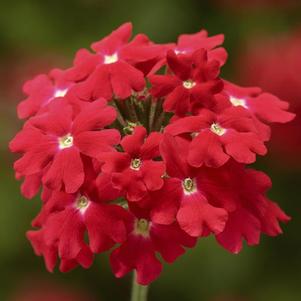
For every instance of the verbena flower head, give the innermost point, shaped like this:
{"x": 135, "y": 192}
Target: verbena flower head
{"x": 142, "y": 149}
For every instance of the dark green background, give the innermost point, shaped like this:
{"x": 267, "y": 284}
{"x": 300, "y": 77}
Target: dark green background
{"x": 37, "y": 35}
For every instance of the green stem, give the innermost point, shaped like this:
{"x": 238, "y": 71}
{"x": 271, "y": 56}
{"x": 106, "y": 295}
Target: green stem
{"x": 139, "y": 292}
{"x": 131, "y": 110}
{"x": 159, "y": 121}
{"x": 120, "y": 116}
{"x": 152, "y": 114}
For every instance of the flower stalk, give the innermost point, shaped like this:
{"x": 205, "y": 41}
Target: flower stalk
{"x": 139, "y": 292}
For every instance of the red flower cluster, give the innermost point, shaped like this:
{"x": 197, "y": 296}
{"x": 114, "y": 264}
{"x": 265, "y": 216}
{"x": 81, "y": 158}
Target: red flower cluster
{"x": 142, "y": 149}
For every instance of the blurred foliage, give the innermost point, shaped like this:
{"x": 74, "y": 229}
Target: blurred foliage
{"x": 38, "y": 35}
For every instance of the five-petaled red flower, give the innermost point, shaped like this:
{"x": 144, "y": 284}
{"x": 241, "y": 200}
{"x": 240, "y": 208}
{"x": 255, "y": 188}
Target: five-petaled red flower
{"x": 217, "y": 137}
{"x": 117, "y": 68}
{"x": 54, "y": 142}
{"x": 134, "y": 171}
{"x": 192, "y": 85}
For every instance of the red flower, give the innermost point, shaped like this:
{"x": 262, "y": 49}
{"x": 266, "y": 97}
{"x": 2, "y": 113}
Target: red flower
{"x": 254, "y": 214}
{"x": 65, "y": 218}
{"x": 193, "y": 84}
{"x": 188, "y": 43}
{"x": 134, "y": 171}
{"x": 50, "y": 253}
{"x": 41, "y": 91}
{"x": 145, "y": 239}
{"x": 113, "y": 69}
{"x": 217, "y": 137}
{"x": 266, "y": 107}
{"x": 196, "y": 215}
{"x": 57, "y": 140}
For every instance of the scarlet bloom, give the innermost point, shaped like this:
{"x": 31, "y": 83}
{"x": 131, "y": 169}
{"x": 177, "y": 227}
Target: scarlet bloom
{"x": 145, "y": 171}
{"x": 54, "y": 142}
{"x": 41, "y": 91}
{"x": 189, "y": 43}
{"x": 196, "y": 215}
{"x": 50, "y": 252}
{"x": 134, "y": 171}
{"x": 114, "y": 68}
{"x": 254, "y": 213}
{"x": 192, "y": 85}
{"x": 265, "y": 106}
{"x": 217, "y": 137}
{"x": 145, "y": 239}
{"x": 65, "y": 218}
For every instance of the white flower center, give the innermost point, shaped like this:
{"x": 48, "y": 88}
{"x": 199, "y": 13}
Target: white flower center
{"x": 189, "y": 185}
{"x": 189, "y": 84}
{"x": 66, "y": 141}
{"x": 217, "y": 129}
{"x": 110, "y": 59}
{"x": 60, "y": 93}
{"x": 236, "y": 102}
{"x": 178, "y": 51}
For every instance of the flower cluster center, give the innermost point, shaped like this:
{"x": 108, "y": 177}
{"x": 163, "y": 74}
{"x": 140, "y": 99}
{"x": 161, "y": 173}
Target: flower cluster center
{"x": 236, "y": 102}
{"x": 189, "y": 185}
{"x": 110, "y": 59}
{"x": 66, "y": 141}
{"x": 217, "y": 129}
{"x": 142, "y": 227}
{"x": 130, "y": 126}
{"x": 135, "y": 164}
{"x": 189, "y": 84}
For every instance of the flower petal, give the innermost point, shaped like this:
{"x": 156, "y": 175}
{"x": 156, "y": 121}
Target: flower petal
{"x": 66, "y": 171}
{"x": 207, "y": 149}
{"x": 91, "y": 143}
{"x": 196, "y": 214}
